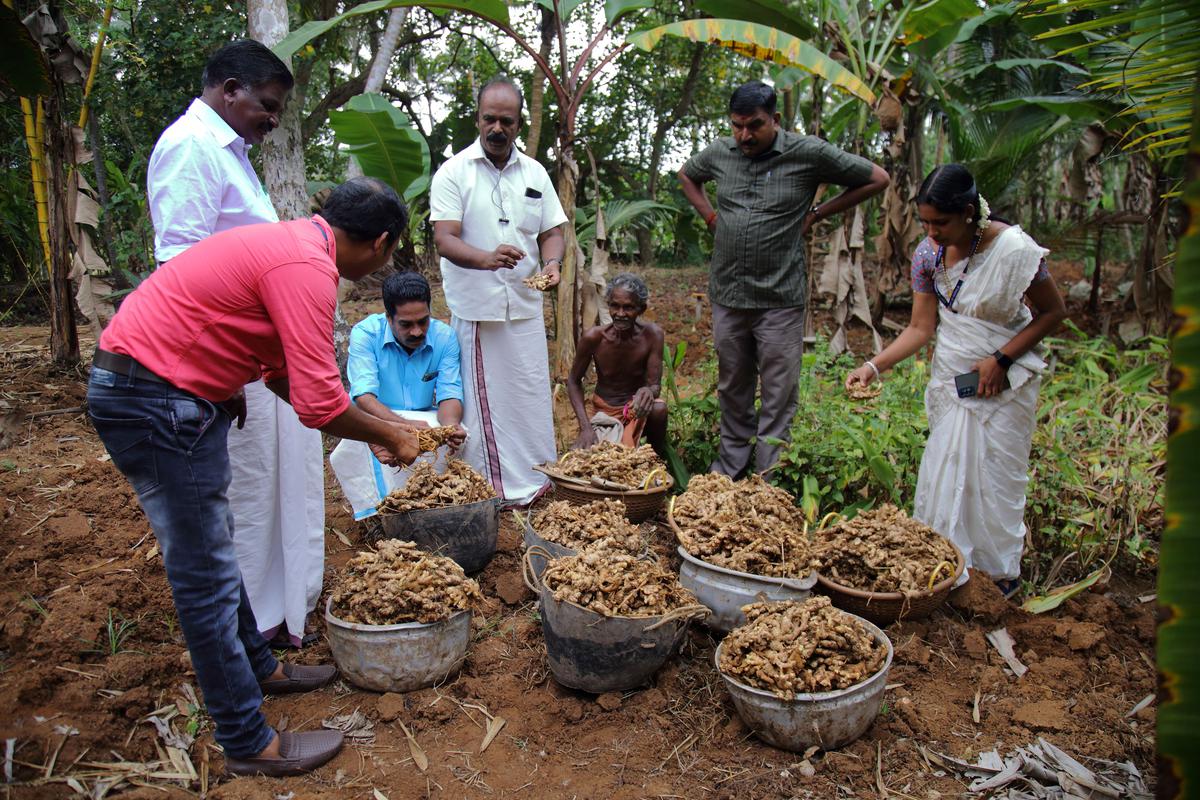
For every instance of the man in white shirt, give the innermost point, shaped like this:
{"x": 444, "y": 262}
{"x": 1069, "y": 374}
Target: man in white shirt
{"x": 200, "y": 182}
{"x": 495, "y": 215}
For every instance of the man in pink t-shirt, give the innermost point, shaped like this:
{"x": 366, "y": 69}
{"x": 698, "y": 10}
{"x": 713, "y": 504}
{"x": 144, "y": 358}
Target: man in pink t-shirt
{"x": 255, "y": 301}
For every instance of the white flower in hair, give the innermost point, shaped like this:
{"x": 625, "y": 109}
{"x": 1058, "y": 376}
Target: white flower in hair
{"x": 985, "y": 212}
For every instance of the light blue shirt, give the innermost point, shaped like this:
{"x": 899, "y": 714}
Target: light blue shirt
{"x": 378, "y": 365}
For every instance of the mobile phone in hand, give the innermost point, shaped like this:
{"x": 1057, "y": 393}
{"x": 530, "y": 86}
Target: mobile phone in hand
{"x": 967, "y": 384}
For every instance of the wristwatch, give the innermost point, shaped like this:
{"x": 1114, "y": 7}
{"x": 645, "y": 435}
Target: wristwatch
{"x": 1001, "y": 359}
{"x": 552, "y": 260}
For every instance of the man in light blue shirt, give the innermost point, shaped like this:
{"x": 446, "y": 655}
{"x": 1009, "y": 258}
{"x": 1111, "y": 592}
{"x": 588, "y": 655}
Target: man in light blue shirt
{"x": 404, "y": 359}
{"x": 403, "y": 365}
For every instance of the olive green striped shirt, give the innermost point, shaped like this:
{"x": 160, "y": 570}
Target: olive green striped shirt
{"x": 758, "y": 254}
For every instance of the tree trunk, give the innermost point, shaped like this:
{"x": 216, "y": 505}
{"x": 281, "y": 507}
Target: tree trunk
{"x": 406, "y": 253}
{"x": 818, "y": 107}
{"x": 665, "y": 123}
{"x": 1153, "y": 279}
{"x": 537, "y": 92}
{"x": 101, "y": 173}
{"x": 60, "y": 159}
{"x": 900, "y": 228}
{"x": 567, "y": 305}
{"x": 283, "y": 150}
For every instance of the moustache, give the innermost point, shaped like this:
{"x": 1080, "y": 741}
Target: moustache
{"x": 497, "y": 138}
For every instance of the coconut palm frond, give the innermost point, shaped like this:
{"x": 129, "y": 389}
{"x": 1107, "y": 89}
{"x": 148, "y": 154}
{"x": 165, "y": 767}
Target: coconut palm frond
{"x": 1143, "y": 54}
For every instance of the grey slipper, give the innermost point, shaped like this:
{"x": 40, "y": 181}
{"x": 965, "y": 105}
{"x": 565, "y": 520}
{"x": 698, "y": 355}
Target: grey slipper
{"x": 298, "y": 753}
{"x": 300, "y": 678}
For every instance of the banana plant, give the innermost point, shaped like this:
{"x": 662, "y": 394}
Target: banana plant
{"x": 384, "y": 142}
{"x": 1178, "y": 590}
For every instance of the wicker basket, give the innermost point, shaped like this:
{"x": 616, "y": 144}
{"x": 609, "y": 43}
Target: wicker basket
{"x": 640, "y": 504}
{"x": 884, "y": 608}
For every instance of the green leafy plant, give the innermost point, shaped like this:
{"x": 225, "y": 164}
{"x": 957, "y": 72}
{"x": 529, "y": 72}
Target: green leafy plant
{"x": 844, "y": 455}
{"x": 114, "y": 635}
{"x": 384, "y": 142}
{"x": 1088, "y": 499}
{"x": 35, "y": 605}
{"x": 692, "y": 424}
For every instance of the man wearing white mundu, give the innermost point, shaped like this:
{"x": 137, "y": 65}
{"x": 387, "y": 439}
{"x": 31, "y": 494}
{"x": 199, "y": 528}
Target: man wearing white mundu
{"x": 495, "y": 214}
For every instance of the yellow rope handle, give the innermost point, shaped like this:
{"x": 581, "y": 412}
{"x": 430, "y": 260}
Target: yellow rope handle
{"x": 938, "y": 571}
{"x": 831, "y": 515}
{"x": 650, "y": 477}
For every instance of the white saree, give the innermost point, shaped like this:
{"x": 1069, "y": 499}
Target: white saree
{"x": 971, "y": 485}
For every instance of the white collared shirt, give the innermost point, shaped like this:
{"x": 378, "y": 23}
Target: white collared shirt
{"x": 200, "y": 182}
{"x": 469, "y": 189}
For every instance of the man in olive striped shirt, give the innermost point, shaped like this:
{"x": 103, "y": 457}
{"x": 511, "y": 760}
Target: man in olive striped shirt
{"x": 767, "y": 180}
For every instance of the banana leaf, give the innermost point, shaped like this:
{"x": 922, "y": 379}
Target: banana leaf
{"x": 1042, "y": 603}
{"x": 759, "y": 42}
{"x": 490, "y": 10}
{"x": 931, "y": 27}
{"x": 384, "y": 142}
{"x": 23, "y": 68}
{"x": 1178, "y": 589}
{"x": 771, "y": 13}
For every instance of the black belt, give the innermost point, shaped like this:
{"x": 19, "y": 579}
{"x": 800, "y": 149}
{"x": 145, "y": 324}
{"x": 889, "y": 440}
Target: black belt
{"x": 124, "y": 365}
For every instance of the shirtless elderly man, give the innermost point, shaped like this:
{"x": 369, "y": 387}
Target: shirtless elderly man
{"x": 628, "y": 355}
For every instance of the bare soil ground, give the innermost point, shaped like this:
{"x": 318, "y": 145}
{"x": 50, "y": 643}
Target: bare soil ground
{"x": 78, "y": 558}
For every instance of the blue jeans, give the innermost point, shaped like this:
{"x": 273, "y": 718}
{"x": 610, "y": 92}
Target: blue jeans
{"x": 170, "y": 444}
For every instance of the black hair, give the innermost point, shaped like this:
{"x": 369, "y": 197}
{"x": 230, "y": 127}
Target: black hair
{"x": 631, "y": 283}
{"x": 364, "y": 208}
{"x": 750, "y": 97}
{"x": 404, "y": 287}
{"x": 500, "y": 80}
{"x": 949, "y": 188}
{"x": 248, "y": 62}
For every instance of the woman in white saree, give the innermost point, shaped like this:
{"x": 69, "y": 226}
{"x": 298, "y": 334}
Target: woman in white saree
{"x": 972, "y": 277}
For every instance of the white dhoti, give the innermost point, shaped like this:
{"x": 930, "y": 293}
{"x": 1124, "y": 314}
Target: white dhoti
{"x": 277, "y": 498}
{"x": 975, "y": 469}
{"x": 365, "y": 481}
{"x": 507, "y": 404}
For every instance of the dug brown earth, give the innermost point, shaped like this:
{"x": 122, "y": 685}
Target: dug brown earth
{"x": 90, "y": 649}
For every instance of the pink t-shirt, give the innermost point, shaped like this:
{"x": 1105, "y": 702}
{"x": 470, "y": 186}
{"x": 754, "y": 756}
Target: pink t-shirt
{"x": 255, "y": 301}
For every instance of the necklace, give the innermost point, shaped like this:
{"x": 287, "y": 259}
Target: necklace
{"x": 948, "y": 299}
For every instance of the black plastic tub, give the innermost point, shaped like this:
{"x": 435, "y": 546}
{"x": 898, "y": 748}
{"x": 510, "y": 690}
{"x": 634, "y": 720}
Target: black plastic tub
{"x": 465, "y": 533}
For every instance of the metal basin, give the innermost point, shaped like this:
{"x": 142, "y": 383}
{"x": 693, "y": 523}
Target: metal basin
{"x": 465, "y": 533}
{"x": 725, "y": 591}
{"x": 595, "y": 653}
{"x": 398, "y": 658}
{"x": 822, "y": 719}
{"x": 536, "y": 560}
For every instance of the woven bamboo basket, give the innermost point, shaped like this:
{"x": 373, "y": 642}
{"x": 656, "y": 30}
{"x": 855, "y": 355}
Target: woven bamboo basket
{"x": 884, "y": 608}
{"x": 640, "y": 504}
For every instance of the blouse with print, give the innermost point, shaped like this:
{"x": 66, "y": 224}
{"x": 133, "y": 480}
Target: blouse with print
{"x": 925, "y": 260}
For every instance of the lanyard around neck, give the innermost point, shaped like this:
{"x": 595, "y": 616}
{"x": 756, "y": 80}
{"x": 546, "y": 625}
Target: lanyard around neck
{"x": 941, "y": 261}
{"x": 324, "y": 235}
